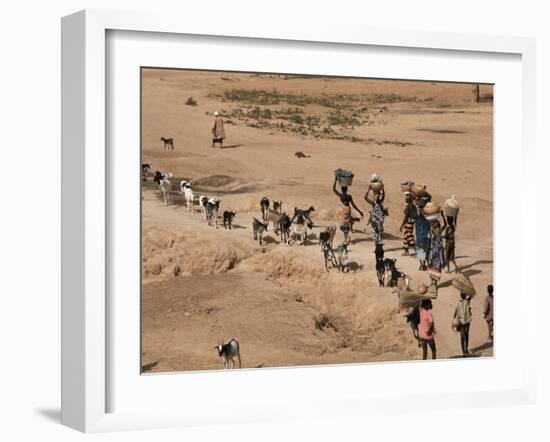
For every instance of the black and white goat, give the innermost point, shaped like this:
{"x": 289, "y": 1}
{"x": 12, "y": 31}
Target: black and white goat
{"x": 162, "y": 179}
{"x": 380, "y": 264}
{"x": 325, "y": 240}
{"x": 203, "y": 202}
{"x": 306, "y": 213}
{"x": 212, "y": 208}
{"x": 228, "y": 352}
{"x": 187, "y": 191}
{"x": 264, "y": 206}
{"x": 327, "y": 236}
{"x": 394, "y": 274}
{"x": 284, "y": 227}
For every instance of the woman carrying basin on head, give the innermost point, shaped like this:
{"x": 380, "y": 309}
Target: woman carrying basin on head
{"x": 344, "y": 210}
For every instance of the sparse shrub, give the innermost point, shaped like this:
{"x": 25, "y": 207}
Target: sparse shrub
{"x": 191, "y": 102}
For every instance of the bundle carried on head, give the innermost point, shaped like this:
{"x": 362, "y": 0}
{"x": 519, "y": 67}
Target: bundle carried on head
{"x": 419, "y": 191}
{"x": 422, "y": 201}
{"x": 377, "y": 187}
{"x": 463, "y": 284}
{"x": 344, "y": 177}
{"x": 451, "y": 207}
{"x": 431, "y": 210}
{"x": 406, "y": 186}
{"x": 411, "y": 298}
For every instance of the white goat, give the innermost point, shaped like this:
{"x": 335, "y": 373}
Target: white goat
{"x": 188, "y": 194}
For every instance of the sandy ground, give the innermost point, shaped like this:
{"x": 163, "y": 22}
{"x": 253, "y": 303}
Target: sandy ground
{"x": 201, "y": 285}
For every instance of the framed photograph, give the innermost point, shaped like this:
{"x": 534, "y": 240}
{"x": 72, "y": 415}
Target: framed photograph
{"x": 298, "y": 220}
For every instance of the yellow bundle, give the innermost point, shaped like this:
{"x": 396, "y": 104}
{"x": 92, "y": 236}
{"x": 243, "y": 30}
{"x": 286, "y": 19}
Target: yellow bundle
{"x": 463, "y": 284}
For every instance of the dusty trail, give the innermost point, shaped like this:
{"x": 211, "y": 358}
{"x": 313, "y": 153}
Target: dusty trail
{"x": 263, "y": 306}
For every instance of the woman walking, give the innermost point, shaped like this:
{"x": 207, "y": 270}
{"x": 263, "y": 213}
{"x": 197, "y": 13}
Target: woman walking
{"x": 449, "y": 231}
{"x": 422, "y": 229}
{"x": 344, "y": 211}
{"x": 376, "y": 219}
{"x": 426, "y": 329}
{"x": 407, "y": 226}
{"x": 463, "y": 318}
{"x": 435, "y": 257}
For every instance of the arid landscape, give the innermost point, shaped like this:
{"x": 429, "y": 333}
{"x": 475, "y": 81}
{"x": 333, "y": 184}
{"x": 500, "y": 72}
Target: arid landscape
{"x": 285, "y": 137}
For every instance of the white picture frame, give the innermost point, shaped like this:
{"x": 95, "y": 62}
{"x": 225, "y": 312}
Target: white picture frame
{"x": 86, "y": 315}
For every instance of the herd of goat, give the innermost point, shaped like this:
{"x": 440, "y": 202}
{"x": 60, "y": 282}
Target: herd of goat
{"x": 290, "y": 230}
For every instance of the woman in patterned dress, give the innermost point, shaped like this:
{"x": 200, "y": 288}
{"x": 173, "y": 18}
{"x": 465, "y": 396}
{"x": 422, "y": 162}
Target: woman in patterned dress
{"x": 435, "y": 255}
{"x": 407, "y": 226}
{"x": 377, "y": 215}
{"x": 422, "y": 229}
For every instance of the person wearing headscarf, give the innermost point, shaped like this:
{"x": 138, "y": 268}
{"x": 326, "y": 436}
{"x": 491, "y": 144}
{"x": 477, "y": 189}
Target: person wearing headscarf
{"x": 378, "y": 213}
{"x": 435, "y": 255}
{"x": 218, "y": 132}
{"x": 422, "y": 226}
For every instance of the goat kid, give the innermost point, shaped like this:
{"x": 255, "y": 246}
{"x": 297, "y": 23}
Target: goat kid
{"x": 168, "y": 143}
{"x": 327, "y": 236}
{"x": 380, "y": 264}
{"x": 228, "y": 217}
{"x": 394, "y": 274}
{"x": 145, "y": 167}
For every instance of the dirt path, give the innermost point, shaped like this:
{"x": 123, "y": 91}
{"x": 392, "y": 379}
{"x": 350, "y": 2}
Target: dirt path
{"x": 184, "y": 316}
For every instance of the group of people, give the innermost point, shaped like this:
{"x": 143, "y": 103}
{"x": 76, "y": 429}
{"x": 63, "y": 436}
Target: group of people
{"x": 375, "y": 197}
{"x": 462, "y": 319}
{"x": 429, "y": 235}
{"x": 434, "y": 244}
